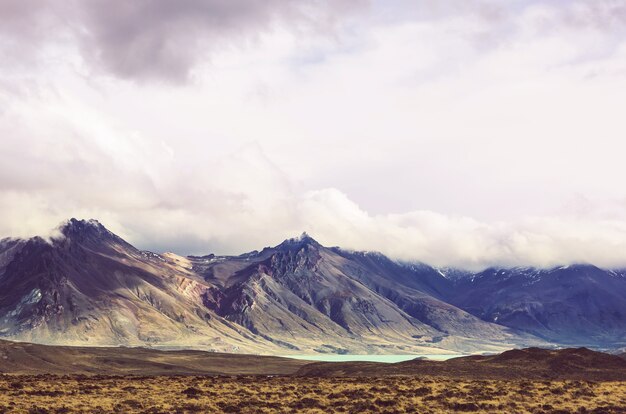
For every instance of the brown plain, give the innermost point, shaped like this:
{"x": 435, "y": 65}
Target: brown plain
{"x": 40, "y": 379}
{"x": 262, "y": 394}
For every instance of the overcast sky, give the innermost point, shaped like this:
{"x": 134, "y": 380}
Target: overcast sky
{"x": 458, "y": 133}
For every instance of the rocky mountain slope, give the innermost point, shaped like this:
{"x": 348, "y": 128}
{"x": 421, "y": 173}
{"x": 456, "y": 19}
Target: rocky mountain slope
{"x": 571, "y": 305}
{"x": 300, "y": 290}
{"x": 89, "y": 287}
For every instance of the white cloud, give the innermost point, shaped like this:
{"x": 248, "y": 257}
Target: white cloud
{"x": 467, "y": 136}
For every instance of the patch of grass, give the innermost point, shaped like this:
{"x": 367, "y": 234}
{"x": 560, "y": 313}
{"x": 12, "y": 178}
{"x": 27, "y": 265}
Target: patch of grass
{"x": 251, "y": 394}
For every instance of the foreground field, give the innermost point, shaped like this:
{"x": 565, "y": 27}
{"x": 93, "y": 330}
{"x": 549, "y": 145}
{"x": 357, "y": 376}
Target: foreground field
{"x": 262, "y": 394}
{"x": 42, "y": 379}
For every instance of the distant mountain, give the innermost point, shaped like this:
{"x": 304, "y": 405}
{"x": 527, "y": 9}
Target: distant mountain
{"x": 88, "y": 286}
{"x": 570, "y": 305}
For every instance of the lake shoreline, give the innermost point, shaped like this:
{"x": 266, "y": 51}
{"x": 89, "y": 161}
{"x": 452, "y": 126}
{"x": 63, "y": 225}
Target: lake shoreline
{"x": 390, "y": 359}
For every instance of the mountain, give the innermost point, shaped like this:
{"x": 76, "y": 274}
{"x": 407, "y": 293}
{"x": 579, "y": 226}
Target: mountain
{"x": 88, "y": 286}
{"x": 569, "y": 305}
{"x": 420, "y": 291}
{"x": 301, "y": 291}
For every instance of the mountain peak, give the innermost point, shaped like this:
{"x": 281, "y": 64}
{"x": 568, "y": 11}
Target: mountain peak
{"x": 89, "y": 231}
{"x": 305, "y": 236}
{"x": 303, "y": 240}
{"x": 75, "y": 226}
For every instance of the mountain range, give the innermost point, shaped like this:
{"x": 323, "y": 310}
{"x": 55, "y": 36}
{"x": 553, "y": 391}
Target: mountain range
{"x": 90, "y": 287}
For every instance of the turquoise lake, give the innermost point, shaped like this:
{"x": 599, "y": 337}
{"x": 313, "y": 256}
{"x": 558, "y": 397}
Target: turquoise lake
{"x": 372, "y": 358}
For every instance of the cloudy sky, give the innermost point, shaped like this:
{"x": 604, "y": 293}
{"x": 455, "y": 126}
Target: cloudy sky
{"x": 459, "y": 133}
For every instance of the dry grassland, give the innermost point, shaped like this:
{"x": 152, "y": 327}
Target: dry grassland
{"x": 262, "y": 394}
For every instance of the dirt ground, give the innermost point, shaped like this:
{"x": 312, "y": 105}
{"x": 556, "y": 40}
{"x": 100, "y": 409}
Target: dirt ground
{"x": 263, "y": 394}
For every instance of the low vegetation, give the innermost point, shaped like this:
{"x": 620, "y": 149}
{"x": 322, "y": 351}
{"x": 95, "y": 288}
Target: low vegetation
{"x": 267, "y": 394}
